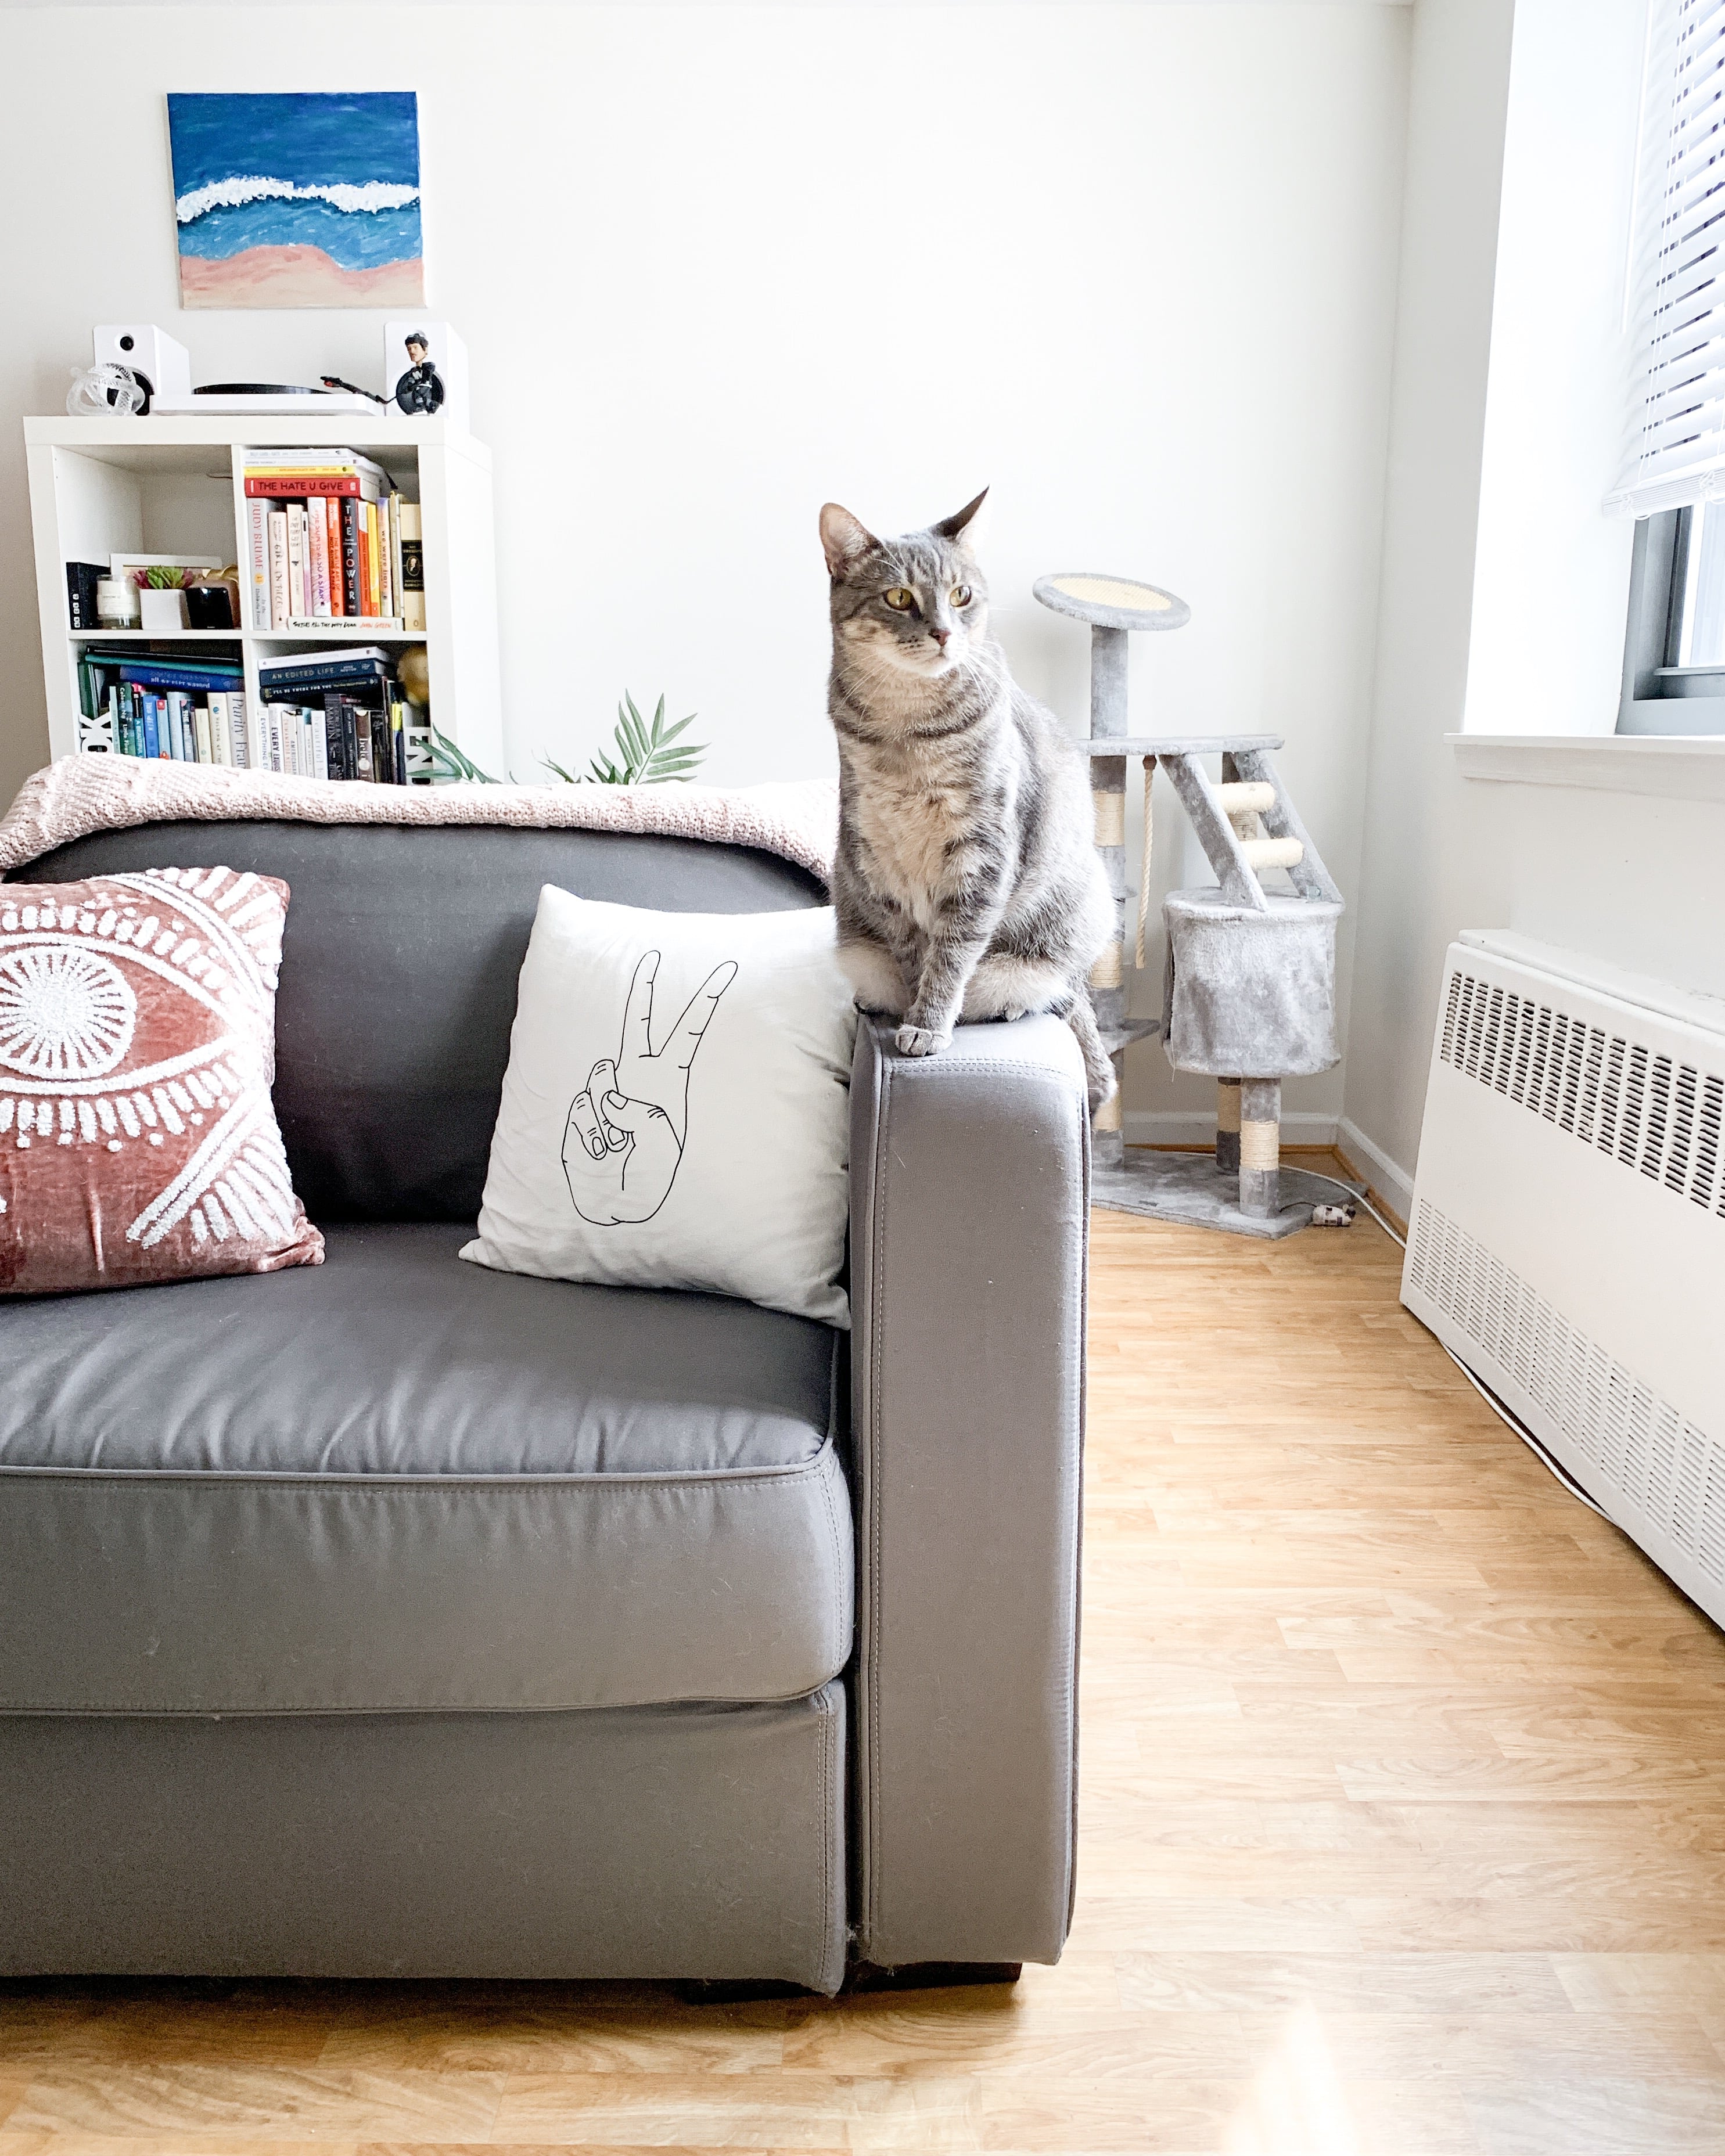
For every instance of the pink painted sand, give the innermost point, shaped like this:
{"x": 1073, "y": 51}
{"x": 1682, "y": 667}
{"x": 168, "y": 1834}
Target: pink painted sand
{"x": 297, "y": 277}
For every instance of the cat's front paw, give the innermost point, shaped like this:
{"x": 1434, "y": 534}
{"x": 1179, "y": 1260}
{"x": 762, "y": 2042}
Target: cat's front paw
{"x": 919, "y": 1040}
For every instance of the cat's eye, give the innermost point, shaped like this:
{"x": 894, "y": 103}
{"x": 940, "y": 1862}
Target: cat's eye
{"x": 899, "y": 599}
{"x": 961, "y": 594}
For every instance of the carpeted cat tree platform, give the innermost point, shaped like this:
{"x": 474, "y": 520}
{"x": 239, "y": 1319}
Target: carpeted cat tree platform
{"x": 1249, "y": 984}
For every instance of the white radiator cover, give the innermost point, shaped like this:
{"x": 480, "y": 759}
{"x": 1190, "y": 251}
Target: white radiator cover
{"x": 1568, "y": 1235}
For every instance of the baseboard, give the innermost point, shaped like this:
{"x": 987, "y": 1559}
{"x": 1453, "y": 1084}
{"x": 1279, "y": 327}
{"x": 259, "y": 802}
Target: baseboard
{"x": 1376, "y": 1168}
{"x": 1184, "y": 1127}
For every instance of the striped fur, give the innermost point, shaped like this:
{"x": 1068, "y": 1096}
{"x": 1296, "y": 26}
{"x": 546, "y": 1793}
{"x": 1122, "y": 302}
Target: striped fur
{"x": 967, "y": 882}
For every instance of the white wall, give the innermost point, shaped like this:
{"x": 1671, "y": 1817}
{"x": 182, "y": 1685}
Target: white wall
{"x": 1634, "y": 879}
{"x": 1550, "y": 574}
{"x": 1133, "y": 266}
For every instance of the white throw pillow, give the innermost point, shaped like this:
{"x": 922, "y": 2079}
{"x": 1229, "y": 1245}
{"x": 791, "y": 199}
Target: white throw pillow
{"x": 676, "y": 1113}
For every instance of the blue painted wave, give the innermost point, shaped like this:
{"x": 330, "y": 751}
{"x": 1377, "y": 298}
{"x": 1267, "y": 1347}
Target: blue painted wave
{"x": 308, "y": 138}
{"x": 354, "y": 239}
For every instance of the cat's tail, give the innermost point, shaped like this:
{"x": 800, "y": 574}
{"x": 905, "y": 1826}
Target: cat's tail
{"x": 1098, "y": 1069}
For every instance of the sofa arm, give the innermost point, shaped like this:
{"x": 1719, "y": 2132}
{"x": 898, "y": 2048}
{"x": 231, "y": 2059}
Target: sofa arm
{"x": 969, "y": 1211}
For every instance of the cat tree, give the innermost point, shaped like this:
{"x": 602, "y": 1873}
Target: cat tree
{"x": 1249, "y": 982}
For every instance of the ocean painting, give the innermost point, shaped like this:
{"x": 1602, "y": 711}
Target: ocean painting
{"x": 298, "y": 201}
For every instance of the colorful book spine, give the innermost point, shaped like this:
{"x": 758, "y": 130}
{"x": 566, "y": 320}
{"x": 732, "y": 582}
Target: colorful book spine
{"x": 318, "y": 536}
{"x": 412, "y": 609}
{"x": 386, "y": 544}
{"x": 350, "y": 557}
{"x": 297, "y": 608}
{"x": 203, "y": 740}
{"x": 332, "y": 541}
{"x": 284, "y": 479}
{"x": 257, "y": 517}
{"x": 152, "y": 730}
{"x": 279, "y": 608}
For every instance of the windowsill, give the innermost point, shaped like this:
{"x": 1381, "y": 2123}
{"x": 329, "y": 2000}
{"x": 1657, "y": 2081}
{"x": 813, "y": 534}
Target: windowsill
{"x": 1678, "y": 767}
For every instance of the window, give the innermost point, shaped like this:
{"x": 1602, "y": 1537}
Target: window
{"x": 1673, "y": 479}
{"x": 1674, "y": 663}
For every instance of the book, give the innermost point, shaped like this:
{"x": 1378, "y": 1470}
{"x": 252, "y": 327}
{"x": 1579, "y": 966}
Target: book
{"x": 337, "y": 761}
{"x": 363, "y": 486}
{"x": 179, "y": 736}
{"x": 332, "y": 541}
{"x": 382, "y": 747}
{"x": 350, "y": 557}
{"x": 386, "y": 564}
{"x": 296, "y": 456}
{"x": 318, "y": 534}
{"x": 312, "y": 624}
{"x": 298, "y": 609}
{"x": 257, "y": 520}
{"x": 359, "y": 719}
{"x": 152, "y": 736}
{"x": 279, "y": 607}
{"x": 202, "y": 740}
{"x": 337, "y": 655}
{"x": 160, "y": 674}
{"x": 82, "y": 578}
{"x": 392, "y": 555}
{"x": 413, "y": 569}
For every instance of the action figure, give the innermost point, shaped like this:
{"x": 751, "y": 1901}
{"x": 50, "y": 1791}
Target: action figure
{"x": 421, "y": 389}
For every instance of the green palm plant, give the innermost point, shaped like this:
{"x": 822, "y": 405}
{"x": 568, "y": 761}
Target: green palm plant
{"x": 646, "y": 754}
{"x": 449, "y": 763}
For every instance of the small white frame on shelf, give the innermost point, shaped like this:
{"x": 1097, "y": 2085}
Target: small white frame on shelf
{"x": 161, "y": 485}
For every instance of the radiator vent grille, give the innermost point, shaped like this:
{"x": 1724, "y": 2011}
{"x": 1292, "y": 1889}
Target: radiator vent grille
{"x": 1641, "y": 1108}
{"x": 1635, "y": 1443}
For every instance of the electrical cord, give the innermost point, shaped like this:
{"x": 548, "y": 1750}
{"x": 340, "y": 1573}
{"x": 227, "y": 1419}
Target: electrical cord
{"x": 1506, "y": 1415}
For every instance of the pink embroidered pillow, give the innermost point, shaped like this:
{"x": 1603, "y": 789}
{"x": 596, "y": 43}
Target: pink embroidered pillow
{"x": 138, "y": 1142}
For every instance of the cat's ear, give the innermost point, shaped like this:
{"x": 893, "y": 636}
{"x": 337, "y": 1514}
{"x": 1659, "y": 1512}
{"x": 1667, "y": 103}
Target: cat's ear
{"x": 965, "y": 526}
{"x": 843, "y": 539}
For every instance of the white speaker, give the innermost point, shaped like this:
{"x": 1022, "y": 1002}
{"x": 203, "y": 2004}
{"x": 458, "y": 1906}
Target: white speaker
{"x": 164, "y": 366}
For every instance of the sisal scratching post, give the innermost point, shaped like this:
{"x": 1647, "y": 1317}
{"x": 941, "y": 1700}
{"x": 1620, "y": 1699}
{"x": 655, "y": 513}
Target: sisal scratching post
{"x": 1260, "y": 1143}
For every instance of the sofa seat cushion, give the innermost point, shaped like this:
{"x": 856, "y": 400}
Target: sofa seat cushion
{"x": 399, "y": 1482}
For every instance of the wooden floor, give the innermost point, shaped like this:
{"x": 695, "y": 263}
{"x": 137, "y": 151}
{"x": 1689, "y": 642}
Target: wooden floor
{"x": 1404, "y": 1829}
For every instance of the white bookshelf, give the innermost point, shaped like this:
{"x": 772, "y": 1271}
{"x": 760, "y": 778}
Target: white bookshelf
{"x": 171, "y": 485}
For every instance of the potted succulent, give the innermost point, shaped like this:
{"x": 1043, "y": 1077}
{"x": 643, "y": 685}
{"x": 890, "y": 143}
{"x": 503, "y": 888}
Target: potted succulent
{"x": 162, "y": 598}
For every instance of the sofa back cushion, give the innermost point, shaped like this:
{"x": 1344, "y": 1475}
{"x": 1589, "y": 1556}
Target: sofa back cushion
{"x": 399, "y": 977}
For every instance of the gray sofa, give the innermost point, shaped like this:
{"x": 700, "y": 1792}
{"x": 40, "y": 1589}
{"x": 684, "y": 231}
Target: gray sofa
{"x": 393, "y": 1617}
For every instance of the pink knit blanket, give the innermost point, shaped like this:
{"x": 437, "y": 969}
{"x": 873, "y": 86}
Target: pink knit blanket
{"x": 80, "y": 794}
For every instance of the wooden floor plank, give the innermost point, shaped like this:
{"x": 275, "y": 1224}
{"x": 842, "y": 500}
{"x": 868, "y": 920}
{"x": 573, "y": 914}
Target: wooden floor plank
{"x": 1402, "y": 1829}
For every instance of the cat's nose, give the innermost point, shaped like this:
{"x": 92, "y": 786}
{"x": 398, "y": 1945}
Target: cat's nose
{"x": 941, "y": 636}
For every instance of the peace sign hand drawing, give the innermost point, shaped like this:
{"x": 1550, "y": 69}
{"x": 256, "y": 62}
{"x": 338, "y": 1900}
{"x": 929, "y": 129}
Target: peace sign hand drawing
{"x": 624, "y": 1136}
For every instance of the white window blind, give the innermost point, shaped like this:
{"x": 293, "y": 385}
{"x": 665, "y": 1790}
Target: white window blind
{"x": 1677, "y": 271}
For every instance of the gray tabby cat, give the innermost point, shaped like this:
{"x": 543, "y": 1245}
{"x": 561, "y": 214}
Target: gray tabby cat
{"x": 966, "y": 883}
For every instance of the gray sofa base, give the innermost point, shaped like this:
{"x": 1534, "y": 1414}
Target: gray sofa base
{"x": 678, "y": 1842}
